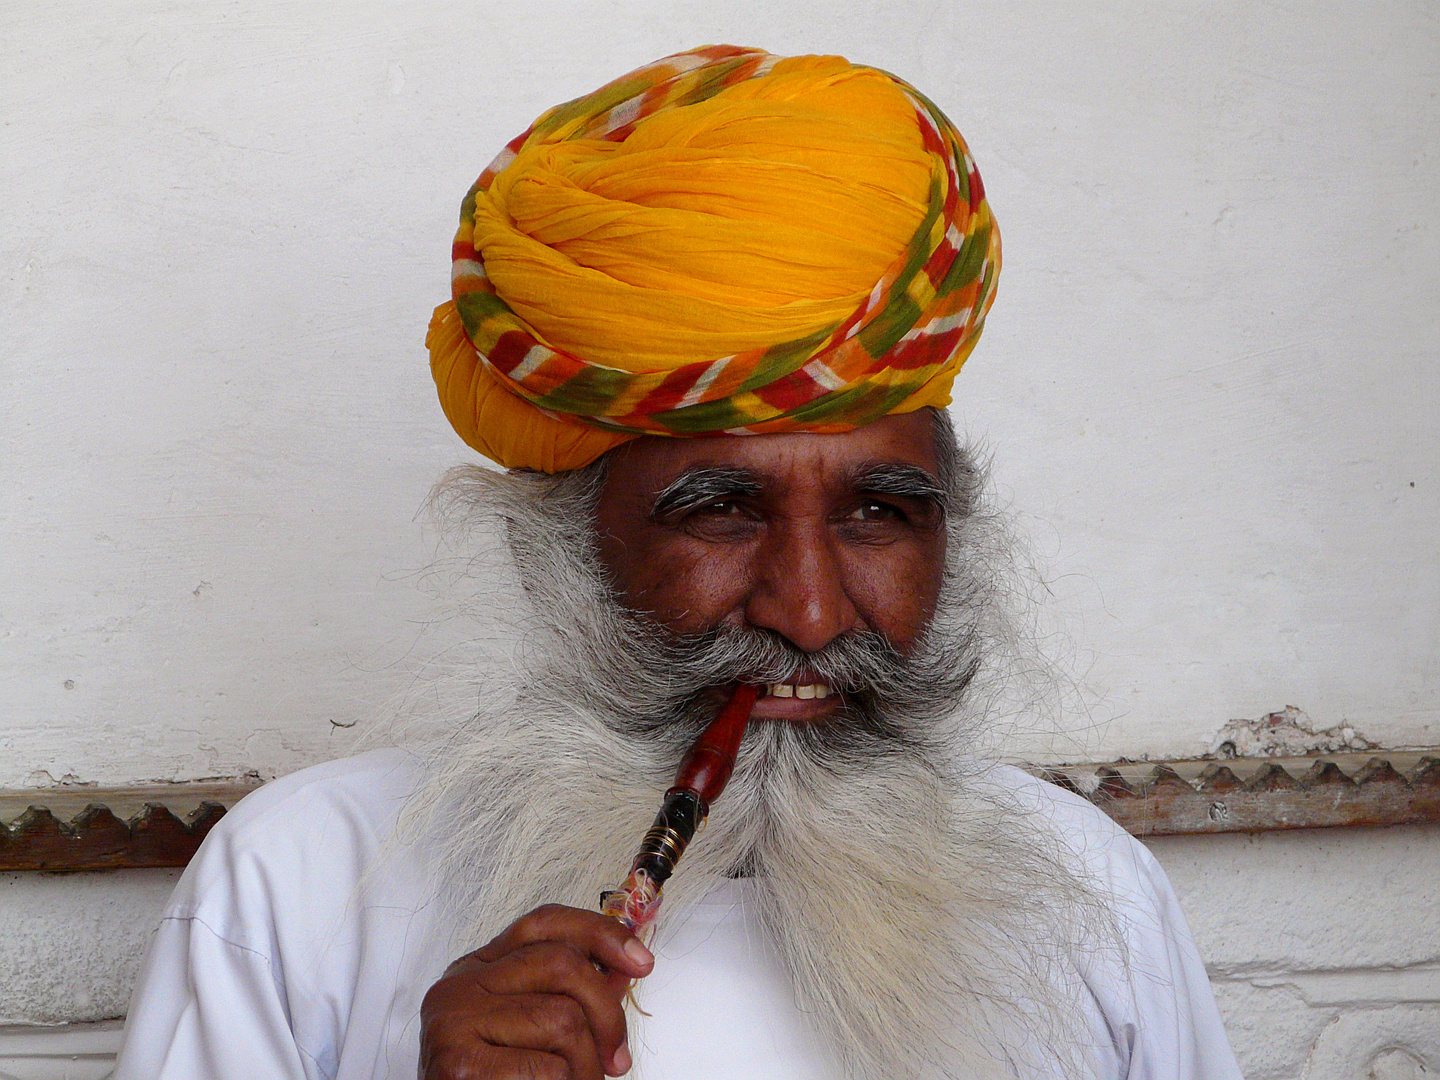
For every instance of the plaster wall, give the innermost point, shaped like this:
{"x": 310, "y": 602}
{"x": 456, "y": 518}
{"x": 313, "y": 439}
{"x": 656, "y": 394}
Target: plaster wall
{"x": 1208, "y": 384}
{"x": 1209, "y": 387}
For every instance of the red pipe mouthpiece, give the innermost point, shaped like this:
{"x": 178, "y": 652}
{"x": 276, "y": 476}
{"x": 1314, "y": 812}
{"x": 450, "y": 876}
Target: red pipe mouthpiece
{"x": 706, "y": 767}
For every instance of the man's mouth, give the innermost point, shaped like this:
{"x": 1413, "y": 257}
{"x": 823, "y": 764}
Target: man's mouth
{"x": 804, "y": 690}
{"x": 804, "y": 700}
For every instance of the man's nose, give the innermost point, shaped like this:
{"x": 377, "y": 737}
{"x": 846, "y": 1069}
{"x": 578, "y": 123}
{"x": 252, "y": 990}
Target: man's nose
{"x": 799, "y": 590}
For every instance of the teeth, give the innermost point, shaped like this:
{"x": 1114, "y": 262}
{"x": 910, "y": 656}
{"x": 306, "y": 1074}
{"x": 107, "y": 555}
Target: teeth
{"x": 805, "y": 691}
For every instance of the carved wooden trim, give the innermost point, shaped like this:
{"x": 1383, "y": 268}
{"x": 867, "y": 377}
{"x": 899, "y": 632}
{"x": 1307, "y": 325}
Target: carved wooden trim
{"x": 98, "y": 840}
{"x": 1255, "y": 795}
{"x": 80, "y": 828}
{"x": 64, "y": 829}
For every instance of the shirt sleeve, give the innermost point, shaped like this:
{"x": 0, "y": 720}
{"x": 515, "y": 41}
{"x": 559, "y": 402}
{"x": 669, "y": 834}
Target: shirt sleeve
{"x": 1159, "y": 1009}
{"x": 207, "y": 1009}
{"x": 270, "y": 947}
{"x": 1187, "y": 1037}
{"x": 1152, "y": 1014}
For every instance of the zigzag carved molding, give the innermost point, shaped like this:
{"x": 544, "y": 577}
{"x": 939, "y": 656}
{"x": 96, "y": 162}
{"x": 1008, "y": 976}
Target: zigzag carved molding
{"x": 1242, "y": 795}
{"x": 98, "y": 840}
{"x": 1291, "y": 793}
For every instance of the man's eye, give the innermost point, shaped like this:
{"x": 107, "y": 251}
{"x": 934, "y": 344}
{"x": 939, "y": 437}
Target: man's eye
{"x": 720, "y": 508}
{"x": 875, "y": 511}
{"x": 720, "y": 521}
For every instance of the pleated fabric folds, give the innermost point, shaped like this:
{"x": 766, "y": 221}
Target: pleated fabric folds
{"x": 723, "y": 242}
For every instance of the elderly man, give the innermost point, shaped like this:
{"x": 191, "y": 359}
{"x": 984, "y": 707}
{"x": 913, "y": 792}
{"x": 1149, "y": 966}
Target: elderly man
{"x": 721, "y": 244}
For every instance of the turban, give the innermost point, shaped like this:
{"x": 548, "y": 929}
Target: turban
{"x": 723, "y": 242}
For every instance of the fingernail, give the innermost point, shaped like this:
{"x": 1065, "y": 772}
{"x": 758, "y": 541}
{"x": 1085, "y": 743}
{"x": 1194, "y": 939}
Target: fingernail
{"x": 620, "y": 1063}
{"x": 638, "y": 953}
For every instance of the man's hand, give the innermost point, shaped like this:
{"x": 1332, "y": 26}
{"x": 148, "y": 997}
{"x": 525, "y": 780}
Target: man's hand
{"x": 543, "y": 1000}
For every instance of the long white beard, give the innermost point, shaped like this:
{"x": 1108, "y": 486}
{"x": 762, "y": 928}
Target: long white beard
{"x": 929, "y": 926}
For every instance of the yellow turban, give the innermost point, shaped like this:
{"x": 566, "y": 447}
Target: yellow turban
{"x": 722, "y": 242}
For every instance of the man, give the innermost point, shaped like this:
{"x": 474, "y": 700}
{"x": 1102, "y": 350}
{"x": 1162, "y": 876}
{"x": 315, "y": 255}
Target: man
{"x": 721, "y": 244}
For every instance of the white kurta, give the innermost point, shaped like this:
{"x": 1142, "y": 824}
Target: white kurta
{"x": 289, "y": 953}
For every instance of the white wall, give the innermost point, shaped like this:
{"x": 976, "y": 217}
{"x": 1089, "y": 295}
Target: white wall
{"x": 1209, "y": 383}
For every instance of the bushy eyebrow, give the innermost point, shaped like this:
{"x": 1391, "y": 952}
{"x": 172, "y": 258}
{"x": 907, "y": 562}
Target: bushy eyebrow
{"x": 902, "y": 481}
{"x": 703, "y": 486}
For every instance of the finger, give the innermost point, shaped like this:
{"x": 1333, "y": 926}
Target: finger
{"x": 605, "y": 941}
{"x": 554, "y": 1023}
{"x": 552, "y": 968}
{"x": 500, "y": 1062}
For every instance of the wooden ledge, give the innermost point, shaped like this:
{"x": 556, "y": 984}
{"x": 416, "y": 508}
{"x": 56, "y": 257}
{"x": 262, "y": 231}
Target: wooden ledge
{"x": 1177, "y": 798}
{"x": 92, "y": 828}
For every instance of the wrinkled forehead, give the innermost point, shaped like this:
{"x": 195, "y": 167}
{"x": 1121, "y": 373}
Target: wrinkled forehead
{"x": 783, "y": 464}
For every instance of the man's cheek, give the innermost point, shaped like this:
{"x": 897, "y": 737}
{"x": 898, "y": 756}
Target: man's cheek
{"x": 897, "y": 591}
{"x": 689, "y": 586}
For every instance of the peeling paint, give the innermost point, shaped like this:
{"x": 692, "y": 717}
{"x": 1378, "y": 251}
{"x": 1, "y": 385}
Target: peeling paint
{"x": 1287, "y": 733}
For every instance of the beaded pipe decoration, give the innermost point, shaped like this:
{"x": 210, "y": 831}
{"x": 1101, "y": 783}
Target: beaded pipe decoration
{"x": 702, "y": 776}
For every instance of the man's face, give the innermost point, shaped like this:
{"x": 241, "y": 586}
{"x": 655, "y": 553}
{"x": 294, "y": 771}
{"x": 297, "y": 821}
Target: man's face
{"x": 809, "y": 536}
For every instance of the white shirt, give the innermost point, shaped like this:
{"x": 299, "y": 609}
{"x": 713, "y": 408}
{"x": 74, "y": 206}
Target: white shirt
{"x": 299, "y": 943}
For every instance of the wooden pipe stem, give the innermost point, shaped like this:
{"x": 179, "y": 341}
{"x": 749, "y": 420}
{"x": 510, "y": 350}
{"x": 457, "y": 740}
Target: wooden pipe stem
{"x": 706, "y": 767}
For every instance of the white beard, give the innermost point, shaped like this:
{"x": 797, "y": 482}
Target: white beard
{"x": 929, "y": 925}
